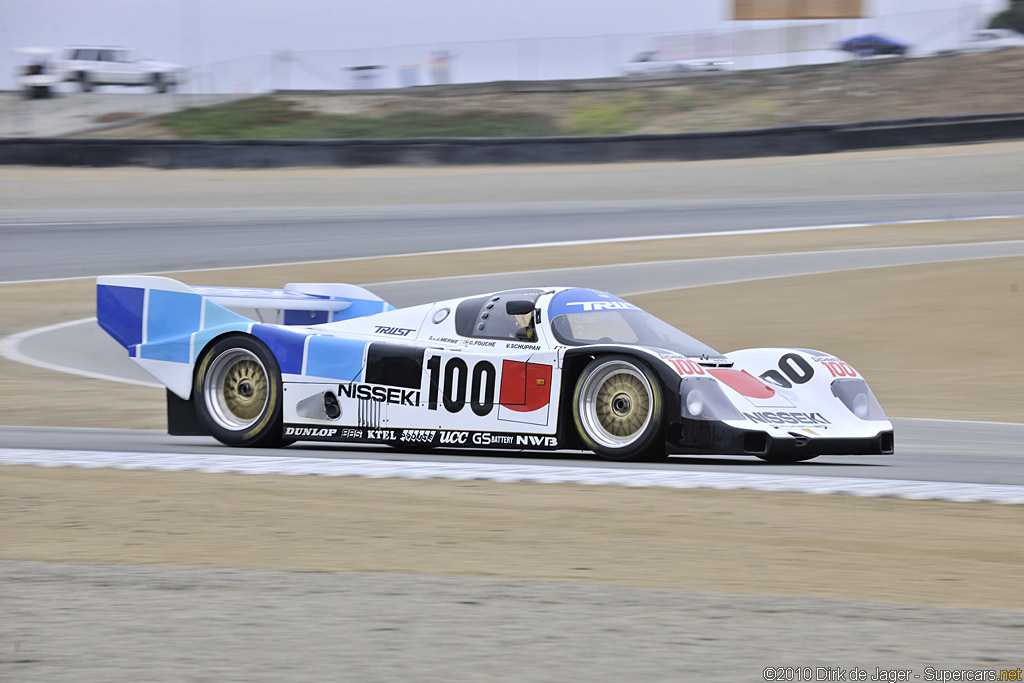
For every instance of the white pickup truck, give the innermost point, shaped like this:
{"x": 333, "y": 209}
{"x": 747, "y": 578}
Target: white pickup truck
{"x": 649, "y": 64}
{"x": 90, "y": 66}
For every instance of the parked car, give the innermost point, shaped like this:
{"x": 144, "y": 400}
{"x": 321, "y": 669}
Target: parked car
{"x": 648, "y": 64}
{"x": 987, "y": 40}
{"x": 91, "y": 66}
{"x": 873, "y": 45}
{"x": 37, "y": 76}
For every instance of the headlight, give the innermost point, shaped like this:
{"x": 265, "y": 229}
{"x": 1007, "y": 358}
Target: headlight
{"x": 694, "y": 402}
{"x": 703, "y": 399}
{"x": 857, "y": 397}
{"x": 861, "y": 406}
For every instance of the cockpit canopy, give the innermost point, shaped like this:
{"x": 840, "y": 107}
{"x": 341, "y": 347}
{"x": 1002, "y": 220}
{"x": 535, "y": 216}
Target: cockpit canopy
{"x": 485, "y": 317}
{"x": 586, "y": 316}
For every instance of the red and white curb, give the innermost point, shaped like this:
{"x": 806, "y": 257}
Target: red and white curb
{"x": 540, "y": 474}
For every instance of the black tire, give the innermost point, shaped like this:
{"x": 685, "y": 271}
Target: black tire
{"x": 617, "y": 408}
{"x": 84, "y": 82}
{"x": 159, "y": 84}
{"x": 238, "y": 393}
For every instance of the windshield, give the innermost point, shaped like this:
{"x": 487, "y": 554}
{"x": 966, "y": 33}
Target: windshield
{"x": 629, "y": 326}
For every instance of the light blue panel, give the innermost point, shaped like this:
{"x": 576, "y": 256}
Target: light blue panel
{"x": 172, "y": 315}
{"x": 204, "y": 336}
{"x": 175, "y": 350}
{"x": 217, "y": 315}
{"x": 361, "y": 308}
{"x": 335, "y": 358}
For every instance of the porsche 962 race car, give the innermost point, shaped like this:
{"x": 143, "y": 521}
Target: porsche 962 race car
{"x": 536, "y": 368}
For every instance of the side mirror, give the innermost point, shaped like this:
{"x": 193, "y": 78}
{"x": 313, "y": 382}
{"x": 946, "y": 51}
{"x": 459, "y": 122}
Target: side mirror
{"x": 518, "y": 307}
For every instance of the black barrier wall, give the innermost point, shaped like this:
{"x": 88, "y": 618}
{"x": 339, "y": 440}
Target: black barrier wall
{"x": 795, "y": 140}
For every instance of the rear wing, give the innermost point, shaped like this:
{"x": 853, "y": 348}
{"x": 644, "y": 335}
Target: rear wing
{"x": 148, "y": 310}
{"x": 165, "y": 324}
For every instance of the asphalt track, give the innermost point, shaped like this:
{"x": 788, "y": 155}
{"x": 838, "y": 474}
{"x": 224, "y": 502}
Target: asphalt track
{"x": 40, "y": 244}
{"x": 95, "y": 354}
{"x": 927, "y": 450}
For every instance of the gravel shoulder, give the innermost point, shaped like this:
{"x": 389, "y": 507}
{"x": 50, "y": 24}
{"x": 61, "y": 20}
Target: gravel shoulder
{"x": 74, "y": 622}
{"x": 744, "y": 543}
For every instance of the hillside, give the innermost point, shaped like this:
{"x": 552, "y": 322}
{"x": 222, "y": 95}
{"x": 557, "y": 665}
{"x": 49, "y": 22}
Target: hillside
{"x": 850, "y": 91}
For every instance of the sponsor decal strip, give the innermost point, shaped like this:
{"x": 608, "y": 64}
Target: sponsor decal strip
{"x": 518, "y": 472}
{"x": 431, "y": 437}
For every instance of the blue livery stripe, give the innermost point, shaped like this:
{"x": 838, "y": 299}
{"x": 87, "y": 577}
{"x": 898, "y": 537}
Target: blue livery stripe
{"x": 305, "y": 317}
{"x": 284, "y": 344}
{"x": 585, "y": 301}
{"x": 335, "y": 358}
{"x": 119, "y": 312}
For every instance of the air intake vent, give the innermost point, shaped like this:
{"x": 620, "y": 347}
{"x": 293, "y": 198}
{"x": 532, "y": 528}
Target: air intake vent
{"x": 755, "y": 442}
{"x": 887, "y": 444}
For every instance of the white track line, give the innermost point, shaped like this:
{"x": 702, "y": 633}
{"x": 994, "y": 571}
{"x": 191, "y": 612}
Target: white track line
{"x": 9, "y": 346}
{"x": 9, "y": 350}
{"x": 541, "y": 474}
{"x": 541, "y": 245}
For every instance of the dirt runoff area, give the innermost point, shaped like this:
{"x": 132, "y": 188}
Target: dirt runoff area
{"x": 745, "y": 543}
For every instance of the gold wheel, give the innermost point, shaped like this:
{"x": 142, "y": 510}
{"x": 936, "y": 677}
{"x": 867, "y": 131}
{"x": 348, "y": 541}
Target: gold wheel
{"x": 237, "y": 389}
{"x": 622, "y": 405}
{"x": 616, "y": 408}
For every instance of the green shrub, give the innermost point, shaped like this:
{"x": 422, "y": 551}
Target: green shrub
{"x": 265, "y": 118}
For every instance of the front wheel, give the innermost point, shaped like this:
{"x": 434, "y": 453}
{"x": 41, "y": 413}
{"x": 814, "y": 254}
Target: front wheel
{"x": 238, "y": 393}
{"x": 617, "y": 409}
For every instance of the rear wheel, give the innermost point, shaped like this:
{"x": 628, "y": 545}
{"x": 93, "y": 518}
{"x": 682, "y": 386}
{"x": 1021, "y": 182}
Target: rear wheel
{"x": 238, "y": 393}
{"x": 85, "y": 82}
{"x": 617, "y": 409}
{"x": 159, "y": 84}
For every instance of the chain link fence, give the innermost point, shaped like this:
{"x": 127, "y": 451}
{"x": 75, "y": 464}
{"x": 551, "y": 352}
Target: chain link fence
{"x": 746, "y": 44}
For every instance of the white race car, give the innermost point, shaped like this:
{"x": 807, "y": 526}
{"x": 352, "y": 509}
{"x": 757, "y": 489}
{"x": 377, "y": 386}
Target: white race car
{"x": 533, "y": 368}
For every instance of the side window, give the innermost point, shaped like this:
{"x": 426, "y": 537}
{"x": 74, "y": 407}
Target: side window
{"x": 87, "y": 55}
{"x": 485, "y": 317}
{"x": 106, "y": 56}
